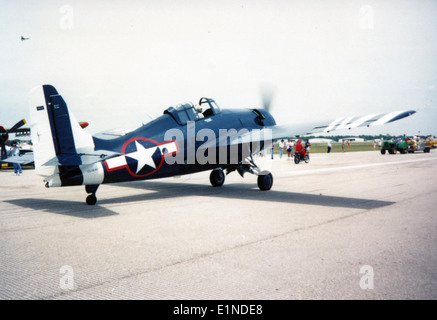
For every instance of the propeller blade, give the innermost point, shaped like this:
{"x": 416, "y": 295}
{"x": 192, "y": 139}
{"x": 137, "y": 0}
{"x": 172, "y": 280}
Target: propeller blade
{"x": 17, "y": 125}
{"x": 3, "y": 136}
{"x": 267, "y": 96}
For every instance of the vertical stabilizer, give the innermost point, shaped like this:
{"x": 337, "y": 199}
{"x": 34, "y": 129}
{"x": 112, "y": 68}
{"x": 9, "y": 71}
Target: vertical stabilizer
{"x": 58, "y": 140}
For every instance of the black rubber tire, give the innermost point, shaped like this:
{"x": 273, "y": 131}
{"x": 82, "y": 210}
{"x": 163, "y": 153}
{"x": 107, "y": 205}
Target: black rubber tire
{"x": 382, "y": 151}
{"x": 265, "y": 182}
{"x": 217, "y": 177}
{"x": 307, "y": 158}
{"x": 91, "y": 200}
{"x": 296, "y": 159}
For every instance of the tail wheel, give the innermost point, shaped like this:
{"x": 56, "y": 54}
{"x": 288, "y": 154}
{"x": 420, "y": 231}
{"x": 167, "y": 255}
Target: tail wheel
{"x": 91, "y": 189}
{"x": 217, "y": 177}
{"x": 91, "y": 199}
{"x": 265, "y": 182}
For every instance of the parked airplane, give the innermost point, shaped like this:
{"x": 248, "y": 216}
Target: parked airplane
{"x": 5, "y": 156}
{"x": 184, "y": 140}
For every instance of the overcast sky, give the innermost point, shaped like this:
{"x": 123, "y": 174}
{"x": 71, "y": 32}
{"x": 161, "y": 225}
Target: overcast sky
{"x": 115, "y": 62}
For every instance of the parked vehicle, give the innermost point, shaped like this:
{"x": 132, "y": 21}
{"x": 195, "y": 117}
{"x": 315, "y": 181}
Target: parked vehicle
{"x": 394, "y": 146}
{"x": 415, "y": 145}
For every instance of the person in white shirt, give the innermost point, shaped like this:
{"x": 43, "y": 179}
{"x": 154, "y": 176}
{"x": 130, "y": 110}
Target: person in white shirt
{"x": 15, "y": 151}
{"x": 329, "y": 146}
{"x": 281, "y": 148}
{"x": 289, "y": 148}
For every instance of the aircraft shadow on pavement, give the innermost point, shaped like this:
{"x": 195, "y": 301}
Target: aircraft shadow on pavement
{"x": 165, "y": 190}
{"x": 64, "y": 207}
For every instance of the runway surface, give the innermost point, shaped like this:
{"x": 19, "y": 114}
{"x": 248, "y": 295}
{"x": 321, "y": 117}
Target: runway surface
{"x": 180, "y": 238}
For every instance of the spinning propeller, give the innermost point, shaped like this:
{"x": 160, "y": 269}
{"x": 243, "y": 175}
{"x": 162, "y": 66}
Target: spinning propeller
{"x": 4, "y": 136}
{"x": 267, "y": 97}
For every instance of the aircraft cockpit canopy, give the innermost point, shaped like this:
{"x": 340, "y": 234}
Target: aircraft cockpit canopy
{"x": 209, "y": 107}
{"x": 188, "y": 112}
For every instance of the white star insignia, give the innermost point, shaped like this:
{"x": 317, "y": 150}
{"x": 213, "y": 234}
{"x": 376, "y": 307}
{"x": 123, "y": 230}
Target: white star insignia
{"x": 143, "y": 156}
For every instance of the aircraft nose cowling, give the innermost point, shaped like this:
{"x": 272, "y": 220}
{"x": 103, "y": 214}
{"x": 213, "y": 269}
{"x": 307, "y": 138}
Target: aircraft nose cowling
{"x": 265, "y": 117}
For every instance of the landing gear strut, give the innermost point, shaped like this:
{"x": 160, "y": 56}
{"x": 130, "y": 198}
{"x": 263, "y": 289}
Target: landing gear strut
{"x": 92, "y": 189}
{"x": 265, "y": 178}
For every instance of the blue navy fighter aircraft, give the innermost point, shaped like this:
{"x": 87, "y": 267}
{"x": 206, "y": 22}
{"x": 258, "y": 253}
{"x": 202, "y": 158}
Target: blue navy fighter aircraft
{"x": 183, "y": 140}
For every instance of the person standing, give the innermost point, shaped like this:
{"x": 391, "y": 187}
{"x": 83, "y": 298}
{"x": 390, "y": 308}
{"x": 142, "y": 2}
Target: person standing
{"x": 15, "y": 151}
{"x": 281, "y": 148}
{"x": 307, "y": 145}
{"x": 329, "y": 146}
{"x": 289, "y": 148}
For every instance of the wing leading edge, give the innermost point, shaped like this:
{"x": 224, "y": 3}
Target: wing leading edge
{"x": 360, "y": 121}
{"x": 292, "y": 130}
{"x": 370, "y": 120}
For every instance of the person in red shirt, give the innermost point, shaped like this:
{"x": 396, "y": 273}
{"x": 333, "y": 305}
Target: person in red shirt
{"x": 300, "y": 149}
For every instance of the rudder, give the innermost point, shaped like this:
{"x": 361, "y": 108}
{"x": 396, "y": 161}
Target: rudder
{"x": 56, "y": 134}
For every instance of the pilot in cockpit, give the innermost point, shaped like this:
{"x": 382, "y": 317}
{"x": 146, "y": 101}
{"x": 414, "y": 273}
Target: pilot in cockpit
{"x": 199, "y": 111}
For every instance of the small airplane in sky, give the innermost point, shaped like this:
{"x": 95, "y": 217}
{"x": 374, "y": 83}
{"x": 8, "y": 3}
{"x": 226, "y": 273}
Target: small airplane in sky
{"x": 23, "y": 38}
{"x": 183, "y": 140}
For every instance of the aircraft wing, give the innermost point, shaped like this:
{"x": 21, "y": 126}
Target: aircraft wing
{"x": 370, "y": 120}
{"x": 276, "y": 132}
{"x": 21, "y": 159}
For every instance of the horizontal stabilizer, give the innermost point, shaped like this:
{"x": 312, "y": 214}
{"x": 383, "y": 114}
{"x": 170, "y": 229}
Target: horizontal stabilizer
{"x": 21, "y": 159}
{"x": 80, "y": 159}
{"x": 111, "y": 134}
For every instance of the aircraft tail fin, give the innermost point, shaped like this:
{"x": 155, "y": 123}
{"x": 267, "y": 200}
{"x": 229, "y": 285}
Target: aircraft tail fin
{"x": 55, "y": 132}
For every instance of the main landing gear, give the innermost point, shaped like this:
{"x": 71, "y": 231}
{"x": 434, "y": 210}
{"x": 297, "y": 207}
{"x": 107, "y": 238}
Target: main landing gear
{"x": 91, "y": 189}
{"x": 265, "y": 181}
{"x": 265, "y": 178}
{"x": 217, "y": 177}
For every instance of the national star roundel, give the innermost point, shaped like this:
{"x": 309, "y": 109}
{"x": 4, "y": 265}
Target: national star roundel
{"x": 143, "y": 156}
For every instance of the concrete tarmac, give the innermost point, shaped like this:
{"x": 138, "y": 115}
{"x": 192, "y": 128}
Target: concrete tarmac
{"x": 356, "y": 225}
